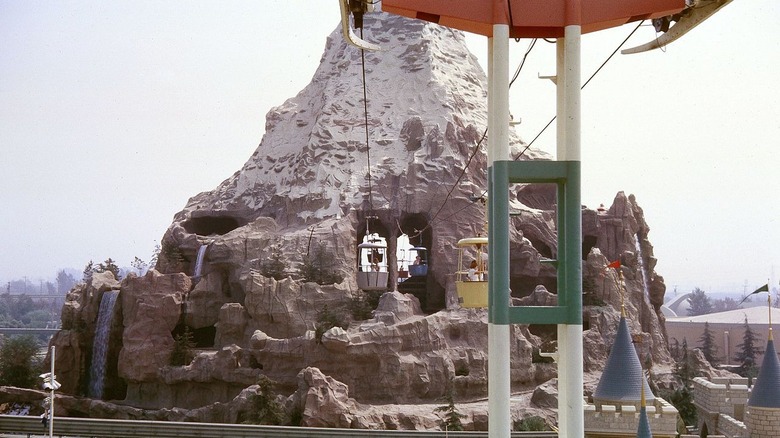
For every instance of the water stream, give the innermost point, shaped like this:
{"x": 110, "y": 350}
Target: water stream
{"x": 199, "y": 262}
{"x": 641, "y": 258}
{"x": 97, "y": 371}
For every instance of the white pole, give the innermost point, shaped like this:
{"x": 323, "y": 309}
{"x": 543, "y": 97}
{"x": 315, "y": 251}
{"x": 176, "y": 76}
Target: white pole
{"x": 563, "y": 353}
{"x": 499, "y": 388}
{"x": 571, "y": 406}
{"x": 51, "y": 405}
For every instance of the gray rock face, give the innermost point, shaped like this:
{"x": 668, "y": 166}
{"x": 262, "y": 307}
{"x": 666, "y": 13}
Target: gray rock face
{"x": 303, "y": 201}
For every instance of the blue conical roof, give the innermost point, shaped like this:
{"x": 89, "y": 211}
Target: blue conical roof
{"x": 622, "y": 379}
{"x": 643, "y": 431}
{"x": 766, "y": 391}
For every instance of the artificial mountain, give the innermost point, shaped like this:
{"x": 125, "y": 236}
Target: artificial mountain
{"x": 313, "y": 184}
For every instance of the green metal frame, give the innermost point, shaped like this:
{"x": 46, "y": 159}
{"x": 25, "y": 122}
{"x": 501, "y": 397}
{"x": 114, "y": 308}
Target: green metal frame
{"x": 567, "y": 176}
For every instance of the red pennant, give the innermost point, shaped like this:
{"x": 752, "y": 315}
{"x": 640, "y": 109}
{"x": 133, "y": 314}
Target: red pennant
{"x": 615, "y": 264}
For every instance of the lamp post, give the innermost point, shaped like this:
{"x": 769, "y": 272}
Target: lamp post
{"x": 50, "y": 383}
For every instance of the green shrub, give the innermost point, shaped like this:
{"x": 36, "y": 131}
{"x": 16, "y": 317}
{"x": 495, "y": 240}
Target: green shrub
{"x": 363, "y": 304}
{"x": 183, "y": 345}
{"x": 264, "y": 408}
{"x": 533, "y": 423}
{"x": 317, "y": 267}
{"x": 19, "y": 363}
{"x": 274, "y": 266}
{"x": 326, "y": 320}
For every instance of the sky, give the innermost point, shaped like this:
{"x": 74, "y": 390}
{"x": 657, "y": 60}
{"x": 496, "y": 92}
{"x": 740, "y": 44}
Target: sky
{"x": 114, "y": 113}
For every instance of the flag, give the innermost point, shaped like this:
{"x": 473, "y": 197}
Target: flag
{"x": 764, "y": 288}
{"x": 615, "y": 264}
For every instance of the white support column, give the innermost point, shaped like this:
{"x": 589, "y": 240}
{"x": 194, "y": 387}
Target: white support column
{"x": 51, "y": 406}
{"x": 571, "y": 419}
{"x": 499, "y": 385}
{"x": 563, "y": 353}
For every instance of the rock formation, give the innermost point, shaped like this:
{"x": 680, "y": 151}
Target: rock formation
{"x": 313, "y": 188}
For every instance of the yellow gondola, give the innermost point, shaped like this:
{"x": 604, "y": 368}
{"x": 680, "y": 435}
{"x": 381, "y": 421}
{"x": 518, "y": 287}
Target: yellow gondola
{"x": 471, "y": 277}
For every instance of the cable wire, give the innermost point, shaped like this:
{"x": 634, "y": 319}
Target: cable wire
{"x": 582, "y": 87}
{"x": 365, "y": 116}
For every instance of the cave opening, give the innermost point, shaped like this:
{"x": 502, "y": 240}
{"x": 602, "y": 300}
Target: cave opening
{"x": 417, "y": 233}
{"x": 202, "y": 337}
{"x": 208, "y": 225}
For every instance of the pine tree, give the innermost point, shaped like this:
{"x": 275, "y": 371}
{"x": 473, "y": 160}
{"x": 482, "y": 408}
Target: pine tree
{"x": 451, "y": 420}
{"x": 708, "y": 347}
{"x": 264, "y": 408}
{"x": 683, "y": 368}
{"x": 89, "y": 269}
{"x": 109, "y": 266}
{"x": 682, "y": 397}
{"x": 699, "y": 303}
{"x": 748, "y": 351}
{"x": 183, "y": 344}
{"x": 274, "y": 266}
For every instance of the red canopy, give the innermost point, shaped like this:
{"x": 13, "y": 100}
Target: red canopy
{"x": 532, "y": 18}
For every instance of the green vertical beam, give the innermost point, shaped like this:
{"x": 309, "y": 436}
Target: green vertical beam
{"x": 566, "y": 175}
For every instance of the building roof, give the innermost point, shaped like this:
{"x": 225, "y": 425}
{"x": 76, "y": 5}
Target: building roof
{"x": 643, "y": 431}
{"x": 766, "y": 391}
{"x": 622, "y": 379}
{"x": 755, "y": 315}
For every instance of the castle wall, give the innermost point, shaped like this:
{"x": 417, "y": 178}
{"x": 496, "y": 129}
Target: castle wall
{"x": 722, "y": 396}
{"x": 623, "y": 420}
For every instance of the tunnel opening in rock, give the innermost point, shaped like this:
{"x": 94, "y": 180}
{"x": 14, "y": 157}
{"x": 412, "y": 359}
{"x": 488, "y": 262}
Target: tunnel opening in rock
{"x": 421, "y": 282}
{"x": 588, "y": 242}
{"x": 201, "y": 337}
{"x": 215, "y": 224}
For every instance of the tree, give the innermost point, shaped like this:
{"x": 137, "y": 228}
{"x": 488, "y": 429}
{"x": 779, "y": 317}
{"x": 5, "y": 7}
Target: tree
{"x": 65, "y": 282}
{"x": 109, "y": 266}
{"x": 139, "y": 265}
{"x": 682, "y": 400}
{"x": 699, "y": 303}
{"x": 708, "y": 347}
{"x": 19, "y": 364}
{"x": 183, "y": 345}
{"x": 683, "y": 367}
{"x": 326, "y": 320}
{"x": 682, "y": 397}
{"x": 724, "y": 305}
{"x": 274, "y": 266}
{"x": 89, "y": 269}
{"x": 748, "y": 352}
{"x": 318, "y": 267}
{"x": 452, "y": 417}
{"x": 264, "y": 408}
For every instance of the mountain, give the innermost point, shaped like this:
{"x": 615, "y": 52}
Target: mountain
{"x": 233, "y": 264}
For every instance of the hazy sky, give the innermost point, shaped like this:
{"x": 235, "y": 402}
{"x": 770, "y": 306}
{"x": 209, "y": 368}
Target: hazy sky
{"x": 113, "y": 114}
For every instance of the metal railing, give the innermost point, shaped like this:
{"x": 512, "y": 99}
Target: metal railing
{"x": 102, "y": 428}
{"x": 27, "y": 331}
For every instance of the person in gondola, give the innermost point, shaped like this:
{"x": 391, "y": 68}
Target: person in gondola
{"x": 417, "y": 260}
{"x": 375, "y": 259}
{"x": 473, "y": 274}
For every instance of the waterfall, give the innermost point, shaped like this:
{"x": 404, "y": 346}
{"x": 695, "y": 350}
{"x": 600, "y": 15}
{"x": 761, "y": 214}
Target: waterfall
{"x": 199, "y": 262}
{"x": 641, "y": 258}
{"x": 97, "y": 372}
